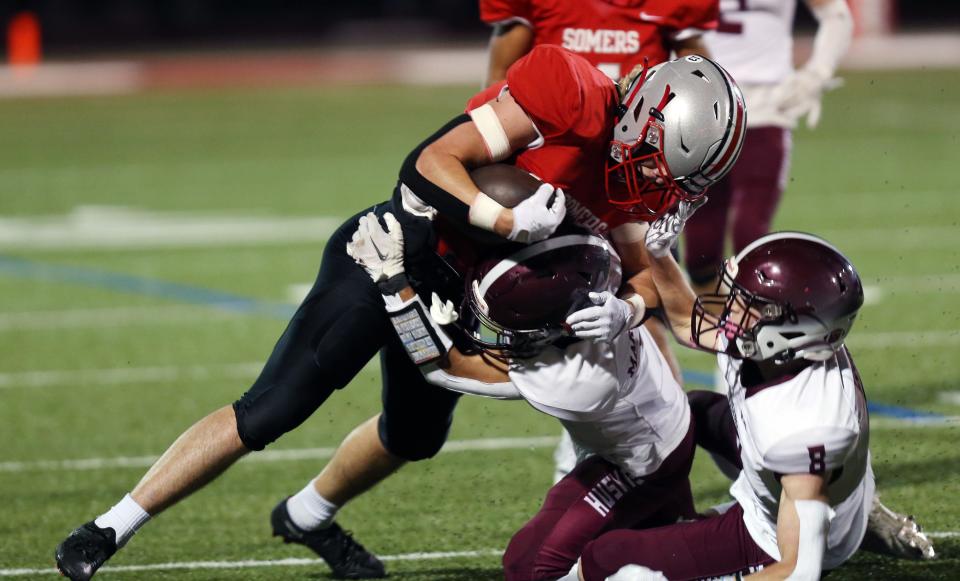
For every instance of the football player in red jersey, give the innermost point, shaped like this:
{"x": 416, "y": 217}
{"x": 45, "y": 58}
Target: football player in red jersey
{"x": 614, "y": 35}
{"x": 560, "y": 118}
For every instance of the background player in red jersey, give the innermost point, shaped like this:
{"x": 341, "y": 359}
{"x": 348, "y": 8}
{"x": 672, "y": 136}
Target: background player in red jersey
{"x": 614, "y": 35}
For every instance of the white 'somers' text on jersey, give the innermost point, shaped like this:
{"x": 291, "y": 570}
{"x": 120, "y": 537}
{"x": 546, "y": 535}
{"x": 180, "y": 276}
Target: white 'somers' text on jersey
{"x": 618, "y": 400}
{"x": 815, "y": 422}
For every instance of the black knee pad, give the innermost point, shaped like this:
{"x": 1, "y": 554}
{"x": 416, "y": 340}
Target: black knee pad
{"x": 412, "y": 441}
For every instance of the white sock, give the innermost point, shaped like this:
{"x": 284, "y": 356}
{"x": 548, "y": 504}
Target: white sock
{"x": 309, "y": 511}
{"x": 125, "y": 518}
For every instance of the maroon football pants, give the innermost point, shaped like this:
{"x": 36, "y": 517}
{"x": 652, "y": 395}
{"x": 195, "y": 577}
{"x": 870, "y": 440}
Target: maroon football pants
{"x": 741, "y": 205}
{"x": 706, "y": 548}
{"x": 596, "y": 497}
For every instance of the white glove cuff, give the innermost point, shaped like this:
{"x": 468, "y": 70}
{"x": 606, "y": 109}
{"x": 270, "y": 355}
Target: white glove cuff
{"x": 484, "y": 212}
{"x": 639, "y": 310}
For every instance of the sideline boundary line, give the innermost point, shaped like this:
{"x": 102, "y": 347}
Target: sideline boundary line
{"x": 252, "y": 563}
{"x": 299, "y": 562}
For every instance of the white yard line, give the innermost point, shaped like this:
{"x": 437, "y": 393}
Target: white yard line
{"x": 885, "y": 340}
{"x": 895, "y": 240}
{"x": 127, "y": 375}
{"x": 297, "y": 562}
{"x": 118, "y": 228}
{"x": 155, "y": 374}
{"x": 250, "y": 564}
{"x": 269, "y": 455}
{"x": 923, "y": 283}
{"x": 111, "y": 317}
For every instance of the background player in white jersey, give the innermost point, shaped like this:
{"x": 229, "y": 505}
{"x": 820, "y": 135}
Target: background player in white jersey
{"x": 754, "y": 42}
{"x": 615, "y": 395}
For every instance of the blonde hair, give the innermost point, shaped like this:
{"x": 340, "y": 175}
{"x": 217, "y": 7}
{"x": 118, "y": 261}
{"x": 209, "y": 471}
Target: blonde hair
{"x": 624, "y": 83}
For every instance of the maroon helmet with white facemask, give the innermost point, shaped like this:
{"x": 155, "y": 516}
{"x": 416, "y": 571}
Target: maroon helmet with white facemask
{"x": 786, "y": 296}
{"x": 684, "y": 121}
{"x": 517, "y": 303}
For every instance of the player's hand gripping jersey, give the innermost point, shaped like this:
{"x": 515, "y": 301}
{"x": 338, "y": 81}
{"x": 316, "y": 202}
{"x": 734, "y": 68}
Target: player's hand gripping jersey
{"x": 574, "y": 107}
{"x": 814, "y": 423}
{"x": 613, "y": 35}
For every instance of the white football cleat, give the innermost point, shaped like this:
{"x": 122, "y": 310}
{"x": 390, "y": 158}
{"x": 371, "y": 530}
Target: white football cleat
{"x": 897, "y": 535}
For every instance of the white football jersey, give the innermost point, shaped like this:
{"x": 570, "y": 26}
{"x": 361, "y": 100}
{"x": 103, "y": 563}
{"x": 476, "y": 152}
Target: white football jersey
{"x": 754, "y": 42}
{"x": 617, "y": 400}
{"x": 814, "y": 422}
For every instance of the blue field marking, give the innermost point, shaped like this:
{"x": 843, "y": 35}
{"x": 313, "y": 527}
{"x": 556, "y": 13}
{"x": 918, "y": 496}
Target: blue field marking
{"x": 23, "y": 268}
{"x": 877, "y": 409}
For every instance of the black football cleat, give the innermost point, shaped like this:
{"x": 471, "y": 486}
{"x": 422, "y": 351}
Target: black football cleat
{"x": 85, "y": 550}
{"x": 346, "y": 557}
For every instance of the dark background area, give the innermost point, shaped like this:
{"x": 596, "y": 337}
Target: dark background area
{"x": 72, "y": 26}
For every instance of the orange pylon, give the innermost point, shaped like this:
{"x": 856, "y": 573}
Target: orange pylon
{"x": 23, "y": 40}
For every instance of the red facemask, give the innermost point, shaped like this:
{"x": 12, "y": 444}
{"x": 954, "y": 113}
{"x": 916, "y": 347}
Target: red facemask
{"x": 627, "y": 188}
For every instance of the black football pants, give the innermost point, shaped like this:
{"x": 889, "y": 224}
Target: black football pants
{"x": 336, "y": 330}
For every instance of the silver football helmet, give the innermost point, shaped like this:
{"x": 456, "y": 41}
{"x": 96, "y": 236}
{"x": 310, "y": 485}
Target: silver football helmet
{"x": 684, "y": 118}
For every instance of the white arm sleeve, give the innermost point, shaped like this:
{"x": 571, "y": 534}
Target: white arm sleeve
{"x": 834, "y": 34}
{"x": 815, "y": 517}
{"x": 439, "y": 377}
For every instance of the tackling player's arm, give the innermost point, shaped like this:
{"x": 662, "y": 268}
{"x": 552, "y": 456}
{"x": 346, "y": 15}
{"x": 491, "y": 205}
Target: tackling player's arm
{"x": 674, "y": 296}
{"x": 509, "y": 41}
{"x": 379, "y": 252}
{"x": 803, "y": 522}
{"x": 611, "y": 315}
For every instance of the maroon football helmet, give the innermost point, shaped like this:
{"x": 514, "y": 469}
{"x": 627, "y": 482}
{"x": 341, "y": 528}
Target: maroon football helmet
{"x": 786, "y": 296}
{"x": 518, "y": 303}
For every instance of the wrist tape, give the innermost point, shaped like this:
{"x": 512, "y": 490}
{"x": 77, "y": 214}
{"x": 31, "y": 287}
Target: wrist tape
{"x": 484, "y": 212}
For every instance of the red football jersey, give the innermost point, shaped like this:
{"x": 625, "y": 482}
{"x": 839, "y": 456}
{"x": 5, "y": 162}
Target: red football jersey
{"x": 614, "y": 35}
{"x": 574, "y": 106}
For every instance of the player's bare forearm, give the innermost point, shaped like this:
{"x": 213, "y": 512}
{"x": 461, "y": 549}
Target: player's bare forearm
{"x": 446, "y": 161}
{"x": 508, "y": 43}
{"x": 790, "y": 538}
{"x": 675, "y": 296}
{"x": 481, "y": 367}
{"x": 635, "y": 263}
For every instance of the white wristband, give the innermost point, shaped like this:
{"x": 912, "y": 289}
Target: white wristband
{"x": 484, "y": 212}
{"x": 639, "y": 310}
{"x": 491, "y": 130}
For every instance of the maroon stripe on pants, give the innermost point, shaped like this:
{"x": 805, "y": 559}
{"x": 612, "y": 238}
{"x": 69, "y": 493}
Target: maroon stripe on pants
{"x": 706, "y": 548}
{"x": 596, "y": 497}
{"x": 742, "y": 204}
